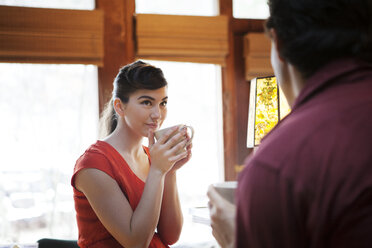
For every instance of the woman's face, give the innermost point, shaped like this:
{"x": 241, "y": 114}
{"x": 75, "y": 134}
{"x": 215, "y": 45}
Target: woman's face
{"x": 145, "y": 110}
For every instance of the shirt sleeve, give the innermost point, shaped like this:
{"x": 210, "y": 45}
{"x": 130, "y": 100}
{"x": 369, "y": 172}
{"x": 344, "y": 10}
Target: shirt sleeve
{"x": 93, "y": 160}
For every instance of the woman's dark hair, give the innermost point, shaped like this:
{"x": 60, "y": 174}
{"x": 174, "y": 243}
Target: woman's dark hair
{"x": 314, "y": 32}
{"x": 132, "y": 77}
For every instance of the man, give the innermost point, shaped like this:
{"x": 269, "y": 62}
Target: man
{"x": 310, "y": 182}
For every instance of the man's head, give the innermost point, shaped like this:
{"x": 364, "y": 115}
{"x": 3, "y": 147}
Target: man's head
{"x": 311, "y": 33}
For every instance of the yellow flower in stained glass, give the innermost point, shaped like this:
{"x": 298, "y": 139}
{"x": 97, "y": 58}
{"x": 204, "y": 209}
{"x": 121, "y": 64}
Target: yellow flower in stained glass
{"x": 266, "y": 107}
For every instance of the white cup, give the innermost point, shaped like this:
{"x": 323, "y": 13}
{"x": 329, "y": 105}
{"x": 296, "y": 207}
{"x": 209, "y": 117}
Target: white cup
{"x": 226, "y": 190}
{"x": 159, "y": 133}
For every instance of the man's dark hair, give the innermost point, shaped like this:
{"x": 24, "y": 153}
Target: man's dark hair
{"x": 312, "y": 33}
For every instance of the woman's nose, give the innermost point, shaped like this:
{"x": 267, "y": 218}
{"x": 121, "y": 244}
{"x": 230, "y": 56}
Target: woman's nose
{"x": 155, "y": 113}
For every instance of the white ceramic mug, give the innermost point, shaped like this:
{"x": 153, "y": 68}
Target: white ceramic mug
{"x": 159, "y": 133}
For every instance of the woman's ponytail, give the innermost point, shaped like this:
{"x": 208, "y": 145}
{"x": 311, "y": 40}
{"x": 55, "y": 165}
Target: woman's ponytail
{"x": 108, "y": 120}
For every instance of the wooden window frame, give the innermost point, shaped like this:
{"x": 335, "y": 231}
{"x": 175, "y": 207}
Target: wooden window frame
{"x": 236, "y": 89}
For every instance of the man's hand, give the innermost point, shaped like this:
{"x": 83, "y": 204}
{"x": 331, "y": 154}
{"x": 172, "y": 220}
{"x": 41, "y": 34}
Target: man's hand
{"x": 222, "y": 215}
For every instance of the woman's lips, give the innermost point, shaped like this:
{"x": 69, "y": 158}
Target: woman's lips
{"x": 153, "y": 125}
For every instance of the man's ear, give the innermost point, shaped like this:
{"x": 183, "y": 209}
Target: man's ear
{"x": 277, "y": 43}
{"x": 119, "y": 107}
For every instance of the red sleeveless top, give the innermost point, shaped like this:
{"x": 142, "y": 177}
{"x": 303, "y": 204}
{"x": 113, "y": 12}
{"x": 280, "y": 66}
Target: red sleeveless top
{"x": 104, "y": 157}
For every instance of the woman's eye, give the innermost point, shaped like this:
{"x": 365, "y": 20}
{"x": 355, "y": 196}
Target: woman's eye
{"x": 147, "y": 103}
{"x": 164, "y": 103}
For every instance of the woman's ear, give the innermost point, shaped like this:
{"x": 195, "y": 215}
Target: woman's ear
{"x": 118, "y": 107}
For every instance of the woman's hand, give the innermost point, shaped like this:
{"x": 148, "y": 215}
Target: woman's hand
{"x": 222, "y": 215}
{"x": 184, "y": 160}
{"x": 164, "y": 153}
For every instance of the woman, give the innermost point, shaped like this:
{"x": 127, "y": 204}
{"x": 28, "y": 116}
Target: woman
{"x": 124, "y": 191}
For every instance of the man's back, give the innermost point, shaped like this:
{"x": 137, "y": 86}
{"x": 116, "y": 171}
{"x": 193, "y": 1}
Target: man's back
{"x": 310, "y": 182}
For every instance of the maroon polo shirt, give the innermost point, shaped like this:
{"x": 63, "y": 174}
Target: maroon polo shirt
{"x": 309, "y": 184}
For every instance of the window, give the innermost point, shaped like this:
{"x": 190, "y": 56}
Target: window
{"x": 252, "y": 9}
{"x": 182, "y": 7}
{"x": 195, "y": 98}
{"x": 267, "y": 106}
{"x": 49, "y": 117}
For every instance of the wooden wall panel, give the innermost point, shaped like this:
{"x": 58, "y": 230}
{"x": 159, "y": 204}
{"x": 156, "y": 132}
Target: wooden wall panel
{"x": 257, "y": 55}
{"x": 38, "y": 35}
{"x": 118, "y": 43}
{"x": 182, "y": 38}
{"x": 229, "y": 99}
{"x": 236, "y": 89}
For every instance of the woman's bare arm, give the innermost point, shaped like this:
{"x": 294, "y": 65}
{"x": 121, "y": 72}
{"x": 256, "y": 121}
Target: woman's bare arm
{"x": 171, "y": 218}
{"x": 130, "y": 229}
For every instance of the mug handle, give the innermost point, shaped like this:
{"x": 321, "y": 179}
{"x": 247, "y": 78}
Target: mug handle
{"x": 192, "y": 134}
